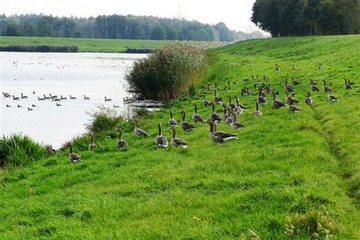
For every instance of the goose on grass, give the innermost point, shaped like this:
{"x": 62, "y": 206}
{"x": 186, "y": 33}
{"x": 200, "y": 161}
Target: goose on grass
{"x": 177, "y": 142}
{"x": 121, "y": 144}
{"x": 92, "y": 145}
{"x": 219, "y": 136}
{"x": 185, "y": 125}
{"x": 138, "y": 131}
{"x": 197, "y": 117}
{"x": 73, "y": 157}
{"x": 160, "y": 140}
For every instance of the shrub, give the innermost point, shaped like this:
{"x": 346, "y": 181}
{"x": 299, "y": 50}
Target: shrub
{"x": 167, "y": 73}
{"x": 104, "y": 119}
{"x": 314, "y": 224}
{"x": 17, "y": 150}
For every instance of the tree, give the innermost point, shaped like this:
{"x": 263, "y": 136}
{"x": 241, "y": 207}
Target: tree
{"x": 158, "y": 33}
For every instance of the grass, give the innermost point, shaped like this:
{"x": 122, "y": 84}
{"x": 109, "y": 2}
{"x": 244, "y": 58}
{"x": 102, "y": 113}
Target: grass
{"x": 287, "y": 176}
{"x": 96, "y": 45}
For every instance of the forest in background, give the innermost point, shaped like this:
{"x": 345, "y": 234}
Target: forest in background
{"x": 118, "y": 27}
{"x": 307, "y": 17}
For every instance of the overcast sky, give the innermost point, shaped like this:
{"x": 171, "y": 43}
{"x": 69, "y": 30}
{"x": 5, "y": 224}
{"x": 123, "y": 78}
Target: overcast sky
{"x": 234, "y": 13}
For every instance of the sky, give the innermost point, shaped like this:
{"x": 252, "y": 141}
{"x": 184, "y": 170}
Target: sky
{"x": 234, "y": 13}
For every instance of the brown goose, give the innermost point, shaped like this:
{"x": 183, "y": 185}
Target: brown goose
{"x": 239, "y": 108}
{"x": 231, "y": 105}
{"x": 218, "y": 136}
{"x": 205, "y": 102}
{"x": 291, "y": 100}
{"x": 227, "y": 116}
{"x": 161, "y": 141}
{"x": 293, "y": 108}
{"x": 277, "y": 103}
{"x": 235, "y": 124}
{"x": 331, "y": 97}
{"x": 138, "y": 131}
{"x": 215, "y": 116}
{"x": 73, "y": 157}
{"x": 197, "y": 117}
{"x": 327, "y": 89}
{"x": 347, "y": 84}
{"x": 172, "y": 121}
{"x": 185, "y": 125}
{"x": 121, "y": 143}
{"x": 257, "y": 112}
{"x": 177, "y": 142}
{"x": 217, "y": 99}
{"x": 92, "y": 145}
{"x": 308, "y": 99}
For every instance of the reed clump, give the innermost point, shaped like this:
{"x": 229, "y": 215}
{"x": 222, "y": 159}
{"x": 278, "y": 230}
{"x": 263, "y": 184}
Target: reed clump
{"x": 167, "y": 73}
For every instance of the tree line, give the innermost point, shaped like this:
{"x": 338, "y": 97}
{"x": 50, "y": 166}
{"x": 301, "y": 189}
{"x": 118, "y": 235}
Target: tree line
{"x": 118, "y": 27}
{"x": 307, "y": 17}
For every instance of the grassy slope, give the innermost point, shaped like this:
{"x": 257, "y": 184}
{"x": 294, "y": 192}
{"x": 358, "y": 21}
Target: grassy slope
{"x": 282, "y": 163}
{"x": 95, "y": 45}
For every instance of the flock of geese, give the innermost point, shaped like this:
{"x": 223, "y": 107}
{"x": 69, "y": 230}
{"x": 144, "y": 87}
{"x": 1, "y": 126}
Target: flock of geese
{"x": 230, "y": 112}
{"x": 57, "y": 99}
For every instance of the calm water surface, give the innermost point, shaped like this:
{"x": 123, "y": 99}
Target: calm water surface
{"x": 35, "y": 75}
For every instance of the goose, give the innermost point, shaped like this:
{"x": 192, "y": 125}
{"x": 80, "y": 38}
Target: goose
{"x": 138, "y": 131}
{"x": 215, "y": 116}
{"x": 116, "y": 106}
{"x": 161, "y": 141}
{"x": 71, "y": 97}
{"x": 227, "y": 117}
{"x": 58, "y": 104}
{"x": 121, "y": 143}
{"x": 40, "y": 99}
{"x": 185, "y": 125}
{"x": 86, "y": 98}
{"x": 172, "y": 121}
{"x": 261, "y": 99}
{"x": 219, "y": 136}
{"x": 331, "y": 97}
{"x": 19, "y": 106}
{"x": 235, "y": 124}
{"x": 205, "y": 102}
{"x": 327, "y": 89}
{"x": 308, "y": 99}
{"x": 63, "y": 98}
{"x": 291, "y": 100}
{"x": 294, "y": 82}
{"x": 288, "y": 88}
{"x": 33, "y": 105}
{"x": 92, "y": 145}
{"x": 7, "y": 105}
{"x": 347, "y": 84}
{"x": 217, "y": 99}
{"x": 239, "y": 108}
{"x": 107, "y": 99}
{"x": 293, "y": 108}
{"x": 23, "y": 96}
{"x": 15, "y": 98}
{"x": 277, "y": 103}
{"x": 197, "y": 117}
{"x": 177, "y": 142}
{"x": 73, "y": 157}
{"x": 257, "y": 112}
{"x": 6, "y": 94}
{"x": 231, "y": 105}
{"x": 29, "y": 109}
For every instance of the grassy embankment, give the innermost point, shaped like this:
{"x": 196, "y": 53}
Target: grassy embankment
{"x": 286, "y": 172}
{"x": 95, "y": 45}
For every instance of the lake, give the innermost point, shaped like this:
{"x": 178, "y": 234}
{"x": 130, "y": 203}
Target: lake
{"x": 33, "y": 76}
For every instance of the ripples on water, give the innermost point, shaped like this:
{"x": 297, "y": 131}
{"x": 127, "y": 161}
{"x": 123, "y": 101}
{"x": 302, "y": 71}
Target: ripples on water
{"x": 36, "y": 75}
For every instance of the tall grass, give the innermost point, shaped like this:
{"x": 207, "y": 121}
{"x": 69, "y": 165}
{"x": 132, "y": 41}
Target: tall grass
{"x": 18, "y": 150}
{"x": 168, "y": 73}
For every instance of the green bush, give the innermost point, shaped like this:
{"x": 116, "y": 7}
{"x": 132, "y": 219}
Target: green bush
{"x": 103, "y": 119}
{"x": 17, "y": 150}
{"x": 167, "y": 73}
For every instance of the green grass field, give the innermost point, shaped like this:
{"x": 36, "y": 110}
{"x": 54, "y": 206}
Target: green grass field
{"x": 288, "y": 176}
{"x": 97, "y": 45}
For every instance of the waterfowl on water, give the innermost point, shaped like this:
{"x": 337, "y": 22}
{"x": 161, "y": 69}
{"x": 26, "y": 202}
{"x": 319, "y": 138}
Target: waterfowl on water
{"x": 7, "y": 105}
{"x": 185, "y": 125}
{"x": 71, "y": 97}
{"x": 219, "y": 136}
{"x": 121, "y": 143}
{"x": 23, "y": 96}
{"x": 172, "y": 121}
{"x": 73, "y": 157}
{"x": 107, "y": 99}
{"x": 177, "y": 142}
{"x": 197, "y": 117}
{"x": 58, "y": 104}
{"x": 92, "y": 145}
{"x": 215, "y": 116}
{"x": 308, "y": 99}
{"x": 138, "y": 131}
{"x": 29, "y": 109}
{"x": 161, "y": 141}
{"x": 86, "y": 97}
{"x": 257, "y": 112}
